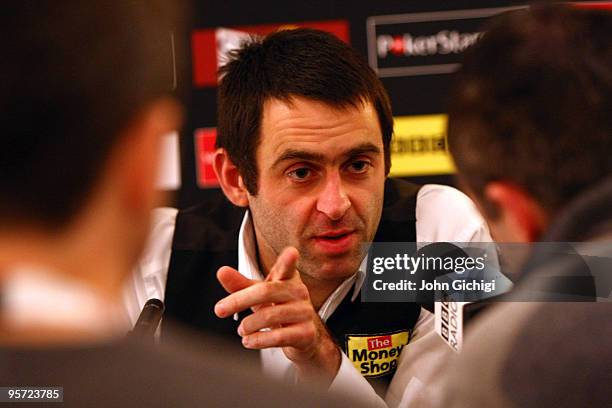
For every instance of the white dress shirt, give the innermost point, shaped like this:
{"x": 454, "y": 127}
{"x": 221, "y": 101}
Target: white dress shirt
{"x": 443, "y": 214}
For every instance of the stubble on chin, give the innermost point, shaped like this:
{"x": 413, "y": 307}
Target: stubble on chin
{"x": 320, "y": 267}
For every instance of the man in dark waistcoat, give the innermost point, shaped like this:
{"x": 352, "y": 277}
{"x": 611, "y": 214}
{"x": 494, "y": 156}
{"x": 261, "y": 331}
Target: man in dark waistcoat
{"x": 304, "y": 134}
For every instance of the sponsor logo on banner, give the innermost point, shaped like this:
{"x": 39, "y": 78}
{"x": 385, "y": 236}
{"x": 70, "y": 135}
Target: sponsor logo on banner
{"x": 210, "y": 47}
{"x": 423, "y": 43}
{"x": 419, "y": 146}
{"x": 602, "y": 5}
{"x": 204, "y": 142}
{"x": 376, "y": 355}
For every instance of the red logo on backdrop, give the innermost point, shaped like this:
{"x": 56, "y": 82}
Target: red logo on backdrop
{"x": 375, "y": 343}
{"x": 204, "y": 150}
{"x": 603, "y": 5}
{"x": 210, "y": 46}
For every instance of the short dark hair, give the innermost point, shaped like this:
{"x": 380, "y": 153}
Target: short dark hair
{"x": 72, "y": 75}
{"x": 532, "y": 104}
{"x": 301, "y": 62}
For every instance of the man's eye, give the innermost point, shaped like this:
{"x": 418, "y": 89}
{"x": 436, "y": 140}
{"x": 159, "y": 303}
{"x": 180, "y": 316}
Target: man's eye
{"x": 358, "y": 167}
{"x": 301, "y": 173}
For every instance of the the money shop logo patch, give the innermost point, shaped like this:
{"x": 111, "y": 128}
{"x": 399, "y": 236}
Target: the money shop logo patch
{"x": 376, "y": 355}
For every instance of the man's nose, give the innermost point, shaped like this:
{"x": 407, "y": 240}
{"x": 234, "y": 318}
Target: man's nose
{"x": 333, "y": 200}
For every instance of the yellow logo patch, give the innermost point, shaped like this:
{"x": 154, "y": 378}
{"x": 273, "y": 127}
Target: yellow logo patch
{"x": 419, "y": 146}
{"x": 376, "y": 355}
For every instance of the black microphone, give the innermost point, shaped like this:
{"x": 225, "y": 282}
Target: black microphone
{"x": 149, "y": 319}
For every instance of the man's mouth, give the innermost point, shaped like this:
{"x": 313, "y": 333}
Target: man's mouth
{"x": 335, "y": 234}
{"x": 335, "y": 242}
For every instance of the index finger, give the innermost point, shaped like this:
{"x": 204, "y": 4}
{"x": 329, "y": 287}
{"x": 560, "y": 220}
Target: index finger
{"x": 232, "y": 280}
{"x": 285, "y": 266}
{"x": 255, "y": 295}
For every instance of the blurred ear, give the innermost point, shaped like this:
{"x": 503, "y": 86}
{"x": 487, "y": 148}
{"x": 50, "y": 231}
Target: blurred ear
{"x": 230, "y": 179}
{"x": 520, "y": 218}
{"x": 139, "y": 154}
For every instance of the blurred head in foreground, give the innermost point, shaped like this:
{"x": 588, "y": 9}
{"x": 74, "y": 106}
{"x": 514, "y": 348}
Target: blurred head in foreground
{"x": 84, "y": 99}
{"x": 530, "y": 130}
{"x": 530, "y": 122}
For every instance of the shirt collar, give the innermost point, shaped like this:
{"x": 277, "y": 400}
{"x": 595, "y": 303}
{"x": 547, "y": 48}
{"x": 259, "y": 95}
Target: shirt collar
{"x": 247, "y": 251}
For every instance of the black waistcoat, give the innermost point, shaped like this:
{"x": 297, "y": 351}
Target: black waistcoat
{"x": 206, "y": 238}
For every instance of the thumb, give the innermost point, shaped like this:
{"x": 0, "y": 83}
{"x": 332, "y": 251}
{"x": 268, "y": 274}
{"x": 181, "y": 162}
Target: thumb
{"x": 232, "y": 280}
{"x": 285, "y": 266}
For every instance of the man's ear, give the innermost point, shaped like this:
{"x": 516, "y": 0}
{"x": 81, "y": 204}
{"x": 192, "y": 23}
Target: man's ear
{"x": 520, "y": 218}
{"x": 230, "y": 179}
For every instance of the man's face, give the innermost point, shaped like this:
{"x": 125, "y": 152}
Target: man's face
{"x": 321, "y": 175}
